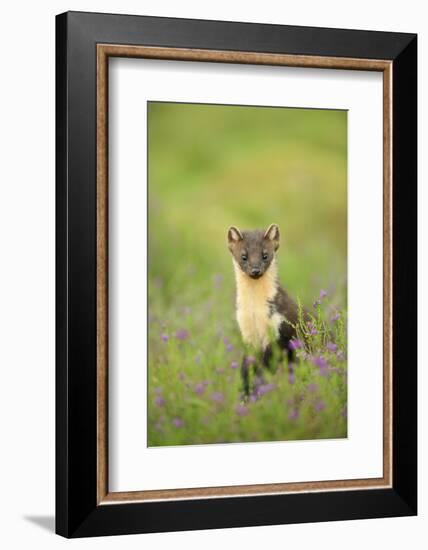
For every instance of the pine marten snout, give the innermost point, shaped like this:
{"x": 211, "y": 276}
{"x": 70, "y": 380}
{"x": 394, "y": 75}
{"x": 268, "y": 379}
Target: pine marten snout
{"x": 263, "y": 307}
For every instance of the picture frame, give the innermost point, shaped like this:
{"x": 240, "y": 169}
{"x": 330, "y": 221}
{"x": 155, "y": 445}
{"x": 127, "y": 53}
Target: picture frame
{"x": 84, "y": 44}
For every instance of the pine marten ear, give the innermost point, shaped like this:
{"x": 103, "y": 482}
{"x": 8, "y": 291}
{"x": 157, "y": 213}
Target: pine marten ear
{"x": 272, "y": 233}
{"x": 234, "y": 235}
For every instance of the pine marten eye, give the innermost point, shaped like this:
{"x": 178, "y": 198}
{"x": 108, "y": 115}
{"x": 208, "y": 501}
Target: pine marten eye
{"x": 265, "y": 256}
{"x": 244, "y": 257}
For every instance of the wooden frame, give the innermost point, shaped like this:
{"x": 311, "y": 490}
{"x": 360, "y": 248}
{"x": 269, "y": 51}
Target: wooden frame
{"x": 84, "y": 504}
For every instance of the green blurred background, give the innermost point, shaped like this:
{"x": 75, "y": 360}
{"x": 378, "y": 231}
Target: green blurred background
{"x": 212, "y": 166}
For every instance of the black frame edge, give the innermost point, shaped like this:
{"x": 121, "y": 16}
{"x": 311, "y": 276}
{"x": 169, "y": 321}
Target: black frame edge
{"x": 190, "y": 515}
{"x": 76, "y": 402}
{"x": 404, "y": 173}
{"x": 231, "y": 35}
{"x": 61, "y": 446}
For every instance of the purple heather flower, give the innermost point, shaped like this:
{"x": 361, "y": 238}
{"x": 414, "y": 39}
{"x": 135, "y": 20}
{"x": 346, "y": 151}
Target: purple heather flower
{"x": 319, "y": 406}
{"x": 265, "y": 388}
{"x": 164, "y": 337}
{"x": 323, "y": 293}
{"x": 312, "y": 388}
{"x": 335, "y": 317}
{"x": 229, "y": 348}
{"x": 316, "y": 303}
{"x": 182, "y": 334}
{"x": 199, "y": 388}
{"x": 312, "y": 329}
{"x": 250, "y": 360}
{"x": 331, "y": 346}
{"x": 234, "y": 365}
{"x": 291, "y": 377}
{"x": 217, "y": 397}
{"x": 160, "y": 401}
{"x": 178, "y": 422}
{"x": 295, "y": 344}
{"x": 319, "y": 362}
{"x": 293, "y": 414}
{"x": 241, "y": 410}
{"x": 252, "y": 398}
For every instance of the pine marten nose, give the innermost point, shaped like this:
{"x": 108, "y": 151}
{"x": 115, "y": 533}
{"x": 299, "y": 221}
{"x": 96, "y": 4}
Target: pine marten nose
{"x": 255, "y": 271}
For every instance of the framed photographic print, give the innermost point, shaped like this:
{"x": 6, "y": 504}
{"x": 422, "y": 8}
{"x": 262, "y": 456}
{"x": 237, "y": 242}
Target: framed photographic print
{"x": 236, "y": 274}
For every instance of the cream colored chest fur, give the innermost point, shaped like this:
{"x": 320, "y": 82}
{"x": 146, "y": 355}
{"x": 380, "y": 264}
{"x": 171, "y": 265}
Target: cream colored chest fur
{"x": 252, "y": 307}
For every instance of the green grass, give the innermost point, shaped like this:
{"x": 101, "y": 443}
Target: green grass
{"x": 211, "y": 167}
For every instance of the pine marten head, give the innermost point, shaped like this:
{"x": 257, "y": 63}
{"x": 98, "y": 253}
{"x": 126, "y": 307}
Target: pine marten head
{"x": 253, "y": 251}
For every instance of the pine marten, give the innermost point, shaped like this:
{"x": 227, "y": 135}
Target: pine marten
{"x": 263, "y": 307}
